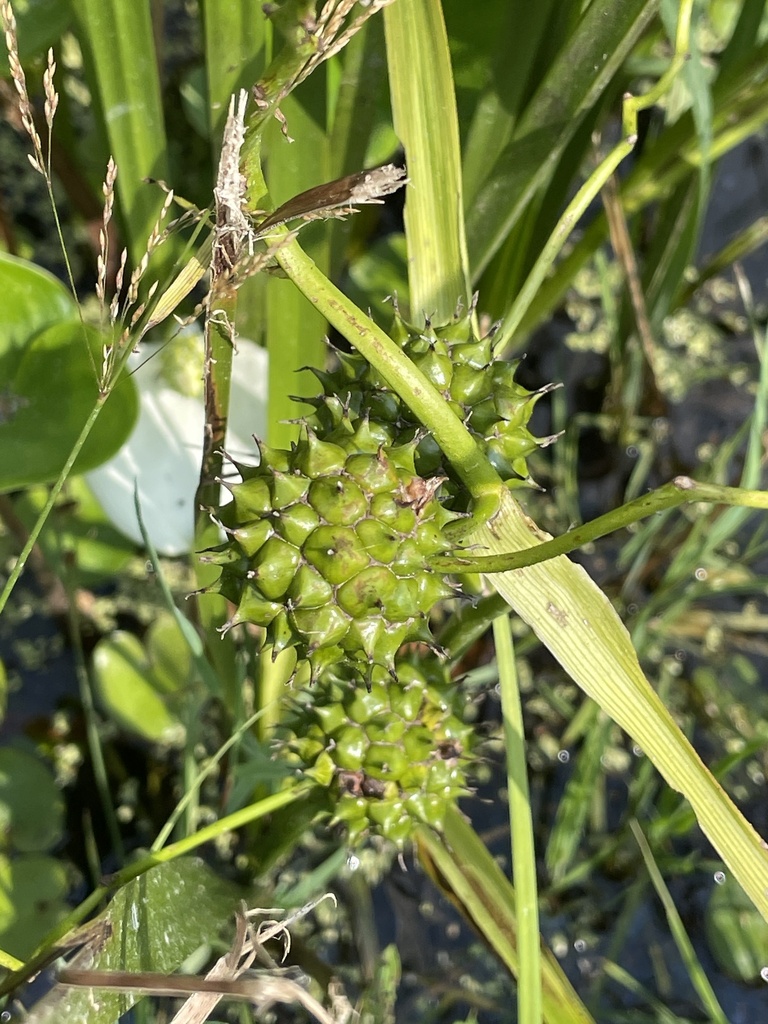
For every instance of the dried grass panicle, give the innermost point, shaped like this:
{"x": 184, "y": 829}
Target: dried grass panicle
{"x": 51, "y": 96}
{"x": 156, "y": 238}
{"x": 17, "y": 74}
{"x": 108, "y": 189}
{"x": 331, "y": 35}
{"x": 114, "y": 306}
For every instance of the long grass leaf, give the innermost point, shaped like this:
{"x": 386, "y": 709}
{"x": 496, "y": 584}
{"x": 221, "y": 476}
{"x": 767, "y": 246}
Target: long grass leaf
{"x": 119, "y": 40}
{"x": 696, "y": 973}
{"x": 529, "y": 1006}
{"x": 424, "y": 111}
{"x": 576, "y": 622}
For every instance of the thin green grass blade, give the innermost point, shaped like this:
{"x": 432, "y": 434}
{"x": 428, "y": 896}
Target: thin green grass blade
{"x": 362, "y": 83}
{"x": 696, "y": 972}
{"x": 537, "y": 32}
{"x": 631, "y": 106}
{"x": 462, "y": 867}
{"x": 679, "y": 248}
{"x": 661, "y": 1013}
{"x": 191, "y": 790}
{"x": 188, "y": 631}
{"x": 118, "y": 37}
{"x": 529, "y": 1003}
{"x": 424, "y": 111}
{"x": 575, "y": 82}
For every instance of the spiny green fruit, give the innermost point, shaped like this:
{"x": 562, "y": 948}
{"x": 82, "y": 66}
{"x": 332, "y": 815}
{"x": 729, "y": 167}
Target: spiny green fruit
{"x": 480, "y": 388}
{"x": 329, "y": 545}
{"x": 395, "y": 753}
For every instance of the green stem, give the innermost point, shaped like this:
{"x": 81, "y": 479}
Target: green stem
{"x": 21, "y": 561}
{"x": 93, "y": 739}
{"x": 679, "y": 491}
{"x": 529, "y": 998}
{"x": 739, "y": 114}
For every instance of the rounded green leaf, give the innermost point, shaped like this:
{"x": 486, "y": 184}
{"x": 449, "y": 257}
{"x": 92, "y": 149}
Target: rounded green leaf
{"x": 33, "y": 891}
{"x": 130, "y": 692}
{"x": 169, "y": 653}
{"x": 49, "y": 399}
{"x": 31, "y": 807}
{"x": 32, "y": 299}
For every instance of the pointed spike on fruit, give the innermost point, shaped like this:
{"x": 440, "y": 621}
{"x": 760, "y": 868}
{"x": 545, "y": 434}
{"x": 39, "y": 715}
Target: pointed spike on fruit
{"x": 315, "y": 458}
{"x": 271, "y": 458}
{"x": 399, "y": 331}
{"x": 545, "y": 442}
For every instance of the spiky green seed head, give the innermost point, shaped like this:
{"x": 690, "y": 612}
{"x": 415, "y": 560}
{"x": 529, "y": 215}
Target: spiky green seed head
{"x": 330, "y": 551}
{"x": 479, "y": 387}
{"x": 394, "y": 755}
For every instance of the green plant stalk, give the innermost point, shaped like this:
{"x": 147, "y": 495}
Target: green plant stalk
{"x": 219, "y": 350}
{"x": 591, "y": 188}
{"x": 9, "y": 962}
{"x": 696, "y": 972}
{"x": 85, "y": 686}
{"x": 194, "y": 787}
{"x": 529, "y": 1005}
{"x": 679, "y": 491}
{"x": 21, "y": 561}
{"x": 238, "y": 819}
{"x": 274, "y": 672}
{"x": 186, "y": 628}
